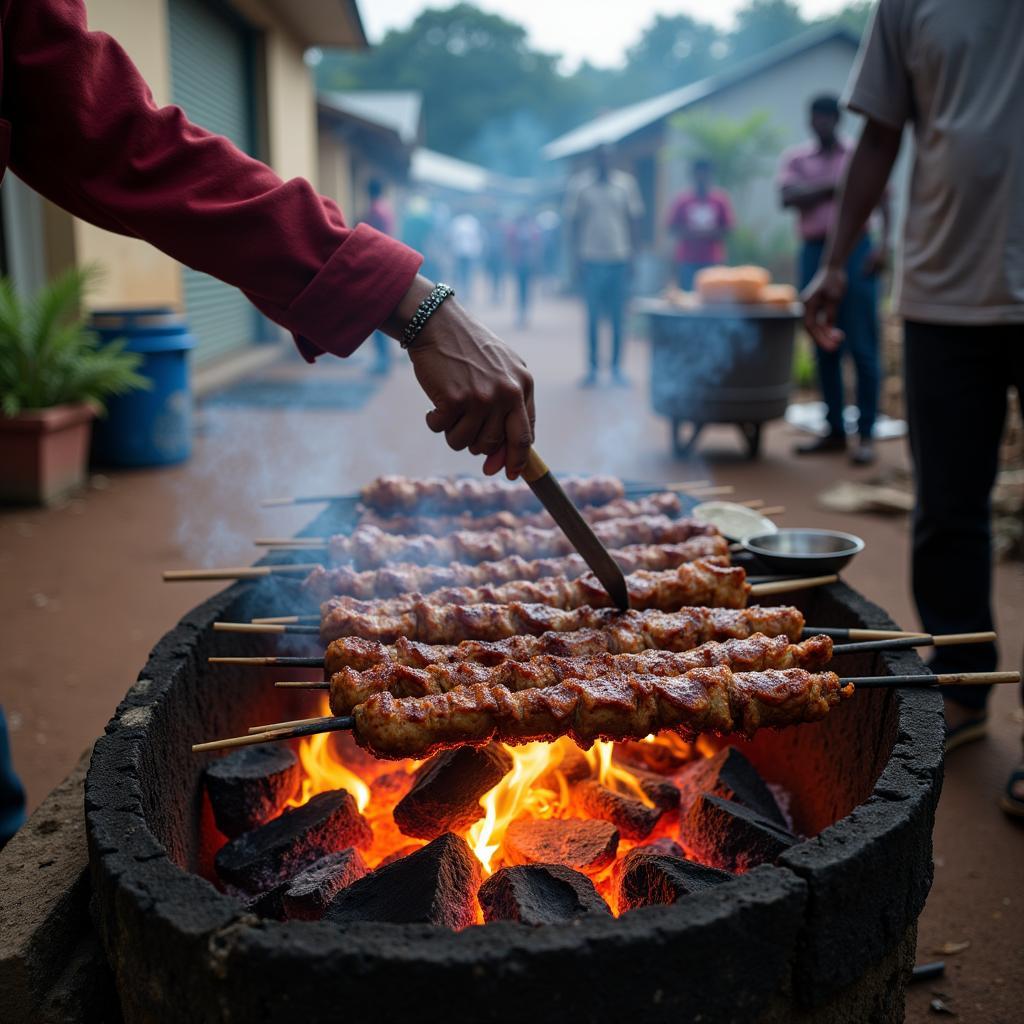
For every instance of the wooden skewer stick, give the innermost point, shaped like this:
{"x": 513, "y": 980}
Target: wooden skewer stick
{"x": 847, "y": 633}
{"x": 926, "y": 679}
{"x": 700, "y": 492}
{"x": 299, "y": 684}
{"x": 907, "y": 642}
{"x": 772, "y": 510}
{"x": 343, "y": 722}
{"x": 297, "y": 543}
{"x": 240, "y": 572}
{"x": 752, "y": 503}
{"x": 786, "y": 586}
{"x": 263, "y": 627}
{"x": 285, "y": 620}
{"x": 287, "y": 725}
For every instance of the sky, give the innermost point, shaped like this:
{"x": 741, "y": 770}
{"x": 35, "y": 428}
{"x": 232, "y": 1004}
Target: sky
{"x": 596, "y": 30}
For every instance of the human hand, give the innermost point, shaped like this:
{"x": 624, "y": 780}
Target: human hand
{"x": 481, "y": 389}
{"x": 821, "y": 300}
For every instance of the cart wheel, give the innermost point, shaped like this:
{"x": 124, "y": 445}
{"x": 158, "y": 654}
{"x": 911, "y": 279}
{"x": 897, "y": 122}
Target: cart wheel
{"x": 683, "y": 449}
{"x": 752, "y": 435}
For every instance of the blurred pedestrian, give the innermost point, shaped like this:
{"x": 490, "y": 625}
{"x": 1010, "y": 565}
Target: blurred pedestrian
{"x": 956, "y": 74}
{"x": 418, "y": 232}
{"x": 495, "y": 256}
{"x": 467, "y": 241}
{"x": 603, "y": 212}
{"x": 701, "y": 218}
{"x": 524, "y": 256}
{"x": 808, "y": 180}
{"x": 550, "y": 224}
{"x": 379, "y": 215}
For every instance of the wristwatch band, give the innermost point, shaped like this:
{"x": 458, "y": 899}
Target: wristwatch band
{"x": 426, "y": 309}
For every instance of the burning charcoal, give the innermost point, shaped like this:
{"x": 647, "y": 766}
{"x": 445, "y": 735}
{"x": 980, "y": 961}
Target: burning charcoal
{"x": 399, "y": 854}
{"x": 258, "y": 859}
{"x": 434, "y": 885}
{"x": 731, "y": 776}
{"x": 251, "y": 786}
{"x": 658, "y": 757}
{"x": 728, "y": 835}
{"x": 660, "y": 792}
{"x": 539, "y": 894}
{"x": 572, "y": 842}
{"x": 269, "y": 904}
{"x": 648, "y": 878}
{"x": 663, "y": 845}
{"x": 633, "y": 819}
{"x": 446, "y": 794}
{"x": 308, "y": 894}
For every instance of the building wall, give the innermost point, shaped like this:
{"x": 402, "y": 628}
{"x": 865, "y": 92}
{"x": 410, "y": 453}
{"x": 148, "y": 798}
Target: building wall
{"x": 335, "y": 170}
{"x": 135, "y": 272}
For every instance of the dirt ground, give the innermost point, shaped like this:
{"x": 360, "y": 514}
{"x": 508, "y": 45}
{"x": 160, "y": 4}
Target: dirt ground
{"x": 88, "y": 573}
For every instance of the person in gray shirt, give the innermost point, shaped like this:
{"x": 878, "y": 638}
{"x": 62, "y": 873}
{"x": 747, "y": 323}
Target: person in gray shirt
{"x": 955, "y": 73}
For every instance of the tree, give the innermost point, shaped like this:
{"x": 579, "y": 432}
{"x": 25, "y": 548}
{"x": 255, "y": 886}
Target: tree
{"x": 672, "y": 51}
{"x": 739, "y": 149}
{"x": 762, "y": 24}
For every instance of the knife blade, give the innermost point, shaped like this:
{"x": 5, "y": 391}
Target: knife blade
{"x": 560, "y": 507}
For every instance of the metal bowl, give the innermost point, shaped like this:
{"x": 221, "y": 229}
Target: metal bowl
{"x": 802, "y": 551}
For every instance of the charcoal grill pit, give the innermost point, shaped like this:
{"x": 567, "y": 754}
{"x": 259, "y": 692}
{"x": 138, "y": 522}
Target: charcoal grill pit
{"x": 827, "y": 934}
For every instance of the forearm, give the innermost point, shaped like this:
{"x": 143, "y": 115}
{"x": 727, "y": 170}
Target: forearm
{"x": 862, "y": 188}
{"x": 87, "y": 134}
{"x": 802, "y": 196}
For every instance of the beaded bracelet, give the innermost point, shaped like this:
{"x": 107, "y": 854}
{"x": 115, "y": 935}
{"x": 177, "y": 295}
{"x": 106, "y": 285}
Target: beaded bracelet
{"x": 426, "y": 309}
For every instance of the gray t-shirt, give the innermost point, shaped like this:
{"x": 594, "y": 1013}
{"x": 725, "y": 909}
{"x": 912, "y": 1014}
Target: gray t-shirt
{"x": 604, "y": 210}
{"x": 955, "y": 70}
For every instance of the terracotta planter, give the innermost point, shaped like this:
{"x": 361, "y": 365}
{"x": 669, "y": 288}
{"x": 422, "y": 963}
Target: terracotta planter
{"x": 44, "y": 453}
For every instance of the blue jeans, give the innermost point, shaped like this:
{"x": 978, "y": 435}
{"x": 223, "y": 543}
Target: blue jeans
{"x": 858, "y": 319}
{"x": 12, "y": 796}
{"x": 686, "y": 272}
{"x": 605, "y": 288}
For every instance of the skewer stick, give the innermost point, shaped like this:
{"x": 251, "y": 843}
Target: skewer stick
{"x": 845, "y": 633}
{"x": 785, "y": 586}
{"x": 772, "y": 510}
{"x": 907, "y": 642}
{"x": 240, "y": 572}
{"x": 299, "y": 684}
{"x": 291, "y": 732}
{"x": 286, "y": 620}
{"x": 296, "y": 543}
{"x": 926, "y": 679}
{"x": 287, "y": 725}
{"x": 344, "y": 722}
{"x": 263, "y": 627}
{"x": 699, "y": 492}
{"x": 290, "y": 662}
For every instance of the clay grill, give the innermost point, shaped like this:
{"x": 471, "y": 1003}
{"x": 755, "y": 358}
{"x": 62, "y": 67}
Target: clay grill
{"x": 825, "y": 930}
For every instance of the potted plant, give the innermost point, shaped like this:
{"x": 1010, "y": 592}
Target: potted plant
{"x": 54, "y": 377}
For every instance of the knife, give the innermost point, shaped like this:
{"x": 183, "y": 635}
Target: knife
{"x": 550, "y": 494}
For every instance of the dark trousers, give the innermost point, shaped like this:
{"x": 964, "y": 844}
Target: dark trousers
{"x": 857, "y": 317}
{"x": 956, "y": 383}
{"x": 605, "y": 288}
{"x": 524, "y": 278}
{"x": 12, "y": 796}
{"x": 686, "y": 272}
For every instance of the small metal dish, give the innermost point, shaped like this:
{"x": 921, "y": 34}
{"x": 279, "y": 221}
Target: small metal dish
{"x": 803, "y": 551}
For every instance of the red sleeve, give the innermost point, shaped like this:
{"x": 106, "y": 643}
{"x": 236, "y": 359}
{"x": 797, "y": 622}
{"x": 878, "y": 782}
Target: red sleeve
{"x": 86, "y": 133}
{"x": 676, "y": 217}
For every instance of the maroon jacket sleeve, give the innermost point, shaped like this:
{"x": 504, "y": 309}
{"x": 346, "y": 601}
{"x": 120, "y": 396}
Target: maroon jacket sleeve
{"x": 85, "y": 132}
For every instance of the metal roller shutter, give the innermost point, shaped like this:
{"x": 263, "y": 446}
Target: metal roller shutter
{"x": 212, "y": 81}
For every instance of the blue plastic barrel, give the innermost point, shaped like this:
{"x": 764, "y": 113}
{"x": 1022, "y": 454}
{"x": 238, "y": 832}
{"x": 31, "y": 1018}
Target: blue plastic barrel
{"x": 147, "y": 428}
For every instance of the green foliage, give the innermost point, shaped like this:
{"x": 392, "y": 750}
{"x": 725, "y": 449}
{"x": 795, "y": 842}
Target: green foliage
{"x": 805, "y": 374}
{"x": 774, "y": 250}
{"x": 762, "y": 24}
{"x": 48, "y": 356}
{"x": 739, "y": 149}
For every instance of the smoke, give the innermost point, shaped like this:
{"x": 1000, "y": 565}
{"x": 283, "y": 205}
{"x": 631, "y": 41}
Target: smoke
{"x": 512, "y": 145}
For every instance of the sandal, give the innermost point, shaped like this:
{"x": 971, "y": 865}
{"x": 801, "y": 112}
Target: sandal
{"x": 1008, "y": 800}
{"x": 968, "y": 731}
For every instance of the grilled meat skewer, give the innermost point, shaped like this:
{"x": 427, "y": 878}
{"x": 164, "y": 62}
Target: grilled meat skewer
{"x": 616, "y": 707}
{"x": 610, "y": 632}
{"x": 392, "y": 495}
{"x": 664, "y": 504}
{"x": 481, "y": 613}
{"x": 404, "y": 578}
{"x": 368, "y": 547}
{"x": 349, "y": 687}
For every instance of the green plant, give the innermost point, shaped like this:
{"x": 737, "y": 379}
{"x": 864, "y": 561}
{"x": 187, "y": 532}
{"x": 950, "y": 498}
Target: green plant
{"x": 48, "y": 355}
{"x": 739, "y": 149}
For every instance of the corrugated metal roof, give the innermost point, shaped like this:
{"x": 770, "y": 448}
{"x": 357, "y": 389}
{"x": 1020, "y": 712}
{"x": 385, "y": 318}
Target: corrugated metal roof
{"x": 620, "y": 124}
{"x": 398, "y": 110}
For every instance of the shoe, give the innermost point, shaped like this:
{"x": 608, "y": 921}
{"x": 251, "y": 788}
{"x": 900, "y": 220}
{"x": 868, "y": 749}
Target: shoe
{"x": 590, "y": 380}
{"x": 822, "y": 445}
{"x": 620, "y": 380}
{"x": 863, "y": 453}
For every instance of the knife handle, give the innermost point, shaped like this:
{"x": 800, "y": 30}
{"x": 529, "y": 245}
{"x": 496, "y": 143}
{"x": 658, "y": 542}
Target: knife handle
{"x": 534, "y": 468}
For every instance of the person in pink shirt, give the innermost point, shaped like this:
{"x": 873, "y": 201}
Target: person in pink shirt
{"x": 700, "y": 218}
{"x": 809, "y": 176}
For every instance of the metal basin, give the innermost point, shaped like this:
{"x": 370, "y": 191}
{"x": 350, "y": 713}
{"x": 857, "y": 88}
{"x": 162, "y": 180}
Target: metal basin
{"x": 805, "y": 551}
